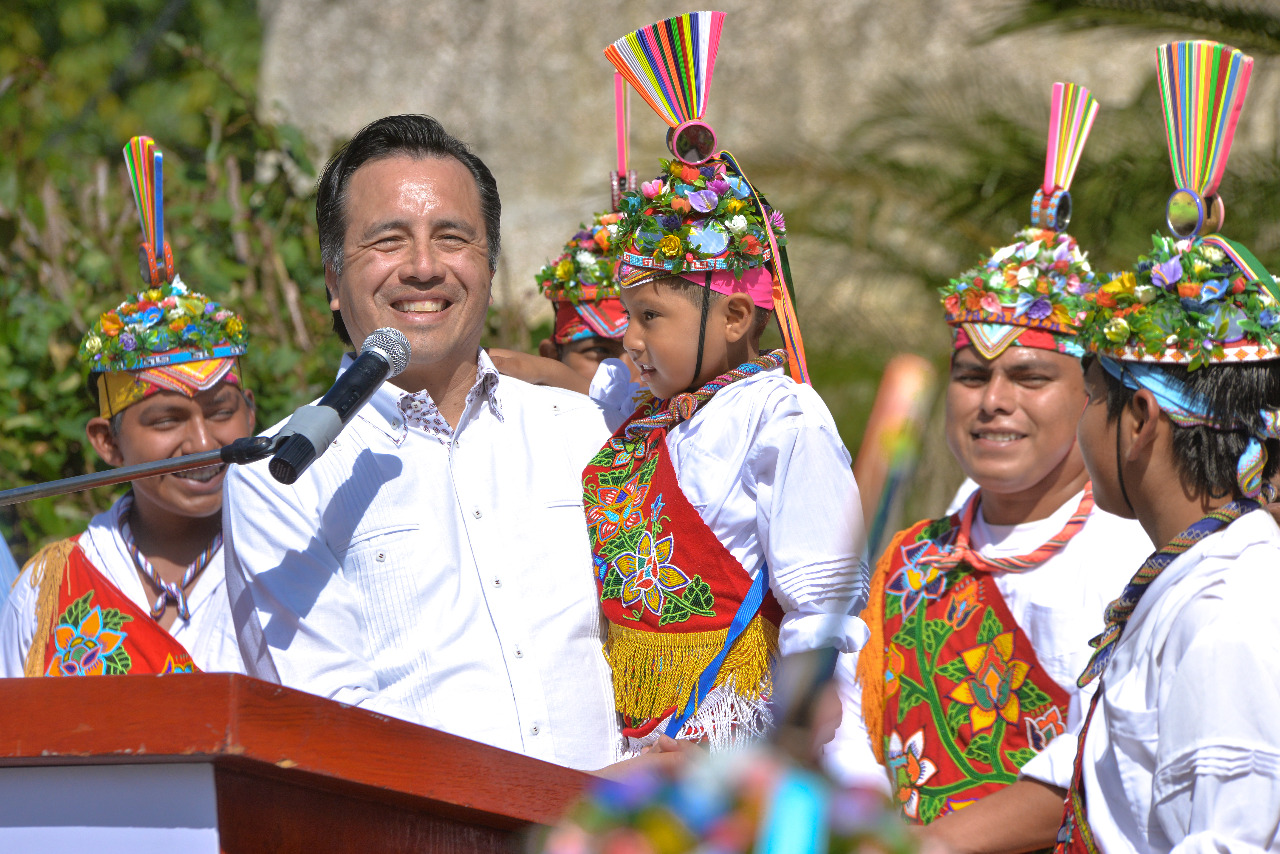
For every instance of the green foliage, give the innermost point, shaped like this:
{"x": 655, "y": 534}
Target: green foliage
{"x": 990, "y": 627}
{"x": 76, "y": 81}
{"x": 910, "y": 694}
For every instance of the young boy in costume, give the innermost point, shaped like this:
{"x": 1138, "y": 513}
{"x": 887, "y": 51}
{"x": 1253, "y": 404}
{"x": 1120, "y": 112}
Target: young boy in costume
{"x": 723, "y": 515}
{"x": 590, "y": 319}
{"x": 978, "y": 619}
{"x": 142, "y": 590}
{"x": 1182, "y": 752}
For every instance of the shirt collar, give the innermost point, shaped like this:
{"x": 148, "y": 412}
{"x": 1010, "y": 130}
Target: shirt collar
{"x": 383, "y": 410}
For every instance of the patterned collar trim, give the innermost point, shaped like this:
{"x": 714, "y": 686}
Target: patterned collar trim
{"x": 420, "y": 410}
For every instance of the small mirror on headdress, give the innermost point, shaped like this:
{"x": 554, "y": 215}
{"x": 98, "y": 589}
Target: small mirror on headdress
{"x": 1189, "y": 215}
{"x": 692, "y": 142}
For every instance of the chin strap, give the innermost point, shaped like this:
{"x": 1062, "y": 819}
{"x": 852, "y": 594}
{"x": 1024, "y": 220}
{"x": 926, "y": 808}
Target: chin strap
{"x": 702, "y": 331}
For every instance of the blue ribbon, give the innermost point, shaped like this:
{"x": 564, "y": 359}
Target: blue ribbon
{"x": 746, "y": 611}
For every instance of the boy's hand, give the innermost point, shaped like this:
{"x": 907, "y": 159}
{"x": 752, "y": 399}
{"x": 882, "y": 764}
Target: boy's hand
{"x": 666, "y": 757}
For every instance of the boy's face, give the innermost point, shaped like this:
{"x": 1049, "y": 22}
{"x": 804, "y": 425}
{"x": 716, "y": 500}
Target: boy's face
{"x": 662, "y": 338}
{"x": 167, "y": 424}
{"x": 1096, "y": 437}
{"x": 1011, "y": 421}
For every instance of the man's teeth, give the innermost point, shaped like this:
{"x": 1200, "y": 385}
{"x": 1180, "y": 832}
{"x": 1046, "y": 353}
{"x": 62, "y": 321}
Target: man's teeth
{"x": 425, "y": 305}
{"x": 204, "y": 475}
{"x": 1000, "y": 437}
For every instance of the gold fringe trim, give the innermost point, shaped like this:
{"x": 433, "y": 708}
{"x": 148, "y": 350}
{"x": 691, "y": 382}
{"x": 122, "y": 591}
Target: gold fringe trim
{"x": 871, "y": 659}
{"x": 48, "y": 567}
{"x": 656, "y": 671}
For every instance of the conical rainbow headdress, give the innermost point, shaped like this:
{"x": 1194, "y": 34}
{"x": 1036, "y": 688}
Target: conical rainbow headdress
{"x": 165, "y": 337}
{"x": 701, "y": 219}
{"x": 1200, "y": 298}
{"x": 146, "y": 175}
{"x": 1031, "y": 292}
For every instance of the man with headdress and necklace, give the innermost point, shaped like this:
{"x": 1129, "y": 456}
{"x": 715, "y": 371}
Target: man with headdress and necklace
{"x": 142, "y": 589}
{"x": 979, "y": 619}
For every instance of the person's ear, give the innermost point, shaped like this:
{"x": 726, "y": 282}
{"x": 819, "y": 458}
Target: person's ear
{"x": 739, "y": 312}
{"x": 331, "y": 287}
{"x": 98, "y": 430}
{"x": 547, "y": 349}
{"x": 1144, "y": 413}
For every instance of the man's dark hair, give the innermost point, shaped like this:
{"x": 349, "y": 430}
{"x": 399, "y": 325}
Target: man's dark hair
{"x": 1206, "y": 458}
{"x": 412, "y": 135}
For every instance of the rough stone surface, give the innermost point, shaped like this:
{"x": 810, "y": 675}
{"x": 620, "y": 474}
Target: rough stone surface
{"x": 526, "y": 83}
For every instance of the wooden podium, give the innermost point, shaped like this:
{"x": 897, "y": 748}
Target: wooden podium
{"x": 225, "y": 763}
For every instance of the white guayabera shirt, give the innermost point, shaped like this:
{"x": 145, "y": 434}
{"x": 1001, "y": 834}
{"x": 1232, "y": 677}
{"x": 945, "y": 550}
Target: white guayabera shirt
{"x": 1183, "y": 752}
{"x": 439, "y": 576}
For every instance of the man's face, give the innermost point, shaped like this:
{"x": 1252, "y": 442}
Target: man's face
{"x": 168, "y": 424}
{"x": 416, "y": 258}
{"x": 1097, "y": 440}
{"x": 586, "y": 354}
{"x": 1011, "y": 421}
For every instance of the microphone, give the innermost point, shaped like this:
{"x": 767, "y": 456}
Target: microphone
{"x": 313, "y": 428}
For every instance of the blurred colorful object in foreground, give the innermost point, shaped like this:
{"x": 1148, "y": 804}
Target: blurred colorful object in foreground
{"x": 891, "y": 443}
{"x": 730, "y": 803}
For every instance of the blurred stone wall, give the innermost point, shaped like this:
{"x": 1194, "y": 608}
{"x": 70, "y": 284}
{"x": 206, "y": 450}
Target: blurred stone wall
{"x": 526, "y": 83}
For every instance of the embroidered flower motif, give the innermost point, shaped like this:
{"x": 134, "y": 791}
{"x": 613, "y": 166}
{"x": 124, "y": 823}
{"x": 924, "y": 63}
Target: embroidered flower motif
{"x": 909, "y": 770}
{"x": 1045, "y": 728}
{"x": 82, "y": 650}
{"x": 991, "y": 691}
{"x": 893, "y": 671}
{"x": 915, "y": 582}
{"x": 646, "y": 573}
{"x": 171, "y": 667}
{"x": 963, "y": 604}
{"x": 612, "y": 509}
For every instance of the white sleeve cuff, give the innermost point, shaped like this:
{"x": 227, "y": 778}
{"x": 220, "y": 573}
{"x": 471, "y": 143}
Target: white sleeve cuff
{"x": 800, "y": 631}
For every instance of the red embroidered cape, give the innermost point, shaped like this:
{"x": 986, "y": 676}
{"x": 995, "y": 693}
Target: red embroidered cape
{"x": 668, "y": 588}
{"x": 965, "y": 700}
{"x": 96, "y": 630}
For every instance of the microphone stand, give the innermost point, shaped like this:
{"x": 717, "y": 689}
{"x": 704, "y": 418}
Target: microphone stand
{"x": 239, "y": 452}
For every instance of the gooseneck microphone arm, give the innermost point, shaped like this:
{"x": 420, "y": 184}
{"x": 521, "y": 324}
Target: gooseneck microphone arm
{"x": 239, "y": 452}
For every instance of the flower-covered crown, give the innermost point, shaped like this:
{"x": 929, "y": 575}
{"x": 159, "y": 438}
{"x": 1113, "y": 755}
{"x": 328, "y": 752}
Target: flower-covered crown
{"x": 1194, "y": 300}
{"x": 584, "y": 270}
{"x": 1040, "y": 281}
{"x": 700, "y": 219}
{"x": 694, "y": 219}
{"x": 1037, "y": 283}
{"x": 162, "y": 326}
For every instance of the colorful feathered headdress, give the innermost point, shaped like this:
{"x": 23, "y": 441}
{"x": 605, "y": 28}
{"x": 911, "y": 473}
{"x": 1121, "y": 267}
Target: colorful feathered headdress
{"x": 1197, "y": 298}
{"x": 700, "y": 219}
{"x": 1031, "y": 292}
{"x": 164, "y": 337}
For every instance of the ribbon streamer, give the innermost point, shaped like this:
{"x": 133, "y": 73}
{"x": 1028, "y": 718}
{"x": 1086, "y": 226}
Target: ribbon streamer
{"x": 670, "y": 63}
{"x": 1202, "y": 88}
{"x": 1071, "y": 113}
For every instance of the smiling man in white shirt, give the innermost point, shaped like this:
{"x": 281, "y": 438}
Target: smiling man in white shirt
{"x": 434, "y": 564}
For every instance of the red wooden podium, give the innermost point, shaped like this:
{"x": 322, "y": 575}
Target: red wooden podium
{"x": 289, "y": 771}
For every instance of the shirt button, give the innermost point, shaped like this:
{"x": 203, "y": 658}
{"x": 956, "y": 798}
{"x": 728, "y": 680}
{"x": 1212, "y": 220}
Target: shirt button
{"x": 497, "y": 582}
{"x": 382, "y": 556}
{"x": 533, "y": 730}
{"x": 477, "y": 513}
{"x": 519, "y": 652}
{"x": 395, "y": 423}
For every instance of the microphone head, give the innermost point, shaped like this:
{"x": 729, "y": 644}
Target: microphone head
{"x": 389, "y": 343}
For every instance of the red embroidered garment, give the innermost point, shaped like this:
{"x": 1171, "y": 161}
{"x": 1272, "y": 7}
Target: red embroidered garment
{"x": 97, "y": 630}
{"x": 965, "y": 700}
{"x": 669, "y": 590}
